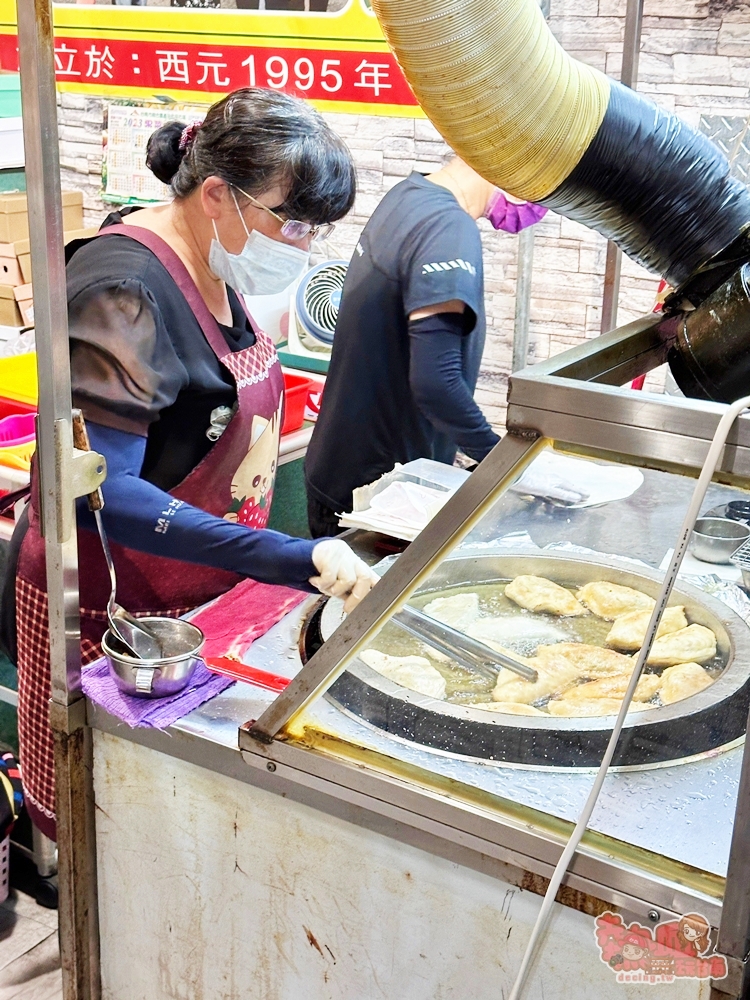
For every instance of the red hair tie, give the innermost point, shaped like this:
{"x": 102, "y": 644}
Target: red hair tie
{"x": 188, "y": 135}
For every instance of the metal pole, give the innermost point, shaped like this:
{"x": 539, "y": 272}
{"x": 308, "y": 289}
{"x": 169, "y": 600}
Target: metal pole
{"x": 74, "y": 806}
{"x": 612, "y": 269}
{"x": 629, "y": 76}
{"x": 524, "y": 274}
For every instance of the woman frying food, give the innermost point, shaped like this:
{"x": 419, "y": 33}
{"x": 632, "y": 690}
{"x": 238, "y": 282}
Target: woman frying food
{"x": 182, "y": 392}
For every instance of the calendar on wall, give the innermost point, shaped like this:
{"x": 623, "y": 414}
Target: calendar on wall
{"x": 126, "y": 179}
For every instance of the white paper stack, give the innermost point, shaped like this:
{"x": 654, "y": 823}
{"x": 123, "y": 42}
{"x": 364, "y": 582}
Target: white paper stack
{"x": 403, "y": 501}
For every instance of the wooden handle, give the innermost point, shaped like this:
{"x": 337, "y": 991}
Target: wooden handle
{"x": 82, "y": 443}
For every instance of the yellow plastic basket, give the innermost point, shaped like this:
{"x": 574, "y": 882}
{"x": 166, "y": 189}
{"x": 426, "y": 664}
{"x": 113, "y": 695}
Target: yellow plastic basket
{"x": 18, "y": 378}
{"x": 18, "y": 456}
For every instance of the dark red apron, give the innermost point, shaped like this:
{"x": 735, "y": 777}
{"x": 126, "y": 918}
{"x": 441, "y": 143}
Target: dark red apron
{"x": 235, "y": 481}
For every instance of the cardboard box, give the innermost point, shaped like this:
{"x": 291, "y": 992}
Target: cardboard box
{"x": 14, "y": 217}
{"x": 22, "y": 249}
{"x": 10, "y": 267}
{"x": 10, "y": 314}
{"x": 24, "y": 297}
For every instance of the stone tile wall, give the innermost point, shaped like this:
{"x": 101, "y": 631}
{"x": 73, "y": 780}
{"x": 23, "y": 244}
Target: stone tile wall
{"x": 695, "y": 59}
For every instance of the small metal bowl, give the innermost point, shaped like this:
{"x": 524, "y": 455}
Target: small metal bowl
{"x": 168, "y": 675}
{"x": 738, "y": 510}
{"x": 715, "y": 539}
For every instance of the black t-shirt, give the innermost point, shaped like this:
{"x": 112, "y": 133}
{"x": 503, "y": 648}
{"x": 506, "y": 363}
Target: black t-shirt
{"x": 139, "y": 360}
{"x": 418, "y": 249}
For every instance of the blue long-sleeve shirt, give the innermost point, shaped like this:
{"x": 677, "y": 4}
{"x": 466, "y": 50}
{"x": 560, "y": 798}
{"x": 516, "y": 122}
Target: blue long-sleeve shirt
{"x": 133, "y": 510}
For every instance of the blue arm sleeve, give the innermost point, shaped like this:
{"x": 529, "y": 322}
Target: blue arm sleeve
{"x": 143, "y": 517}
{"x": 437, "y": 381}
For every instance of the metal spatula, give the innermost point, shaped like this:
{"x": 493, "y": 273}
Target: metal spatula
{"x": 136, "y": 638}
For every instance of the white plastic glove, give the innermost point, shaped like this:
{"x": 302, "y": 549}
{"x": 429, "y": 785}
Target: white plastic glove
{"x": 342, "y": 573}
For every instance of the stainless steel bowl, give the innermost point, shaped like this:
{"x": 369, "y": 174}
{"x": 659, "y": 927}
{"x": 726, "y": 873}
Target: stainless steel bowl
{"x": 715, "y": 539}
{"x": 168, "y": 675}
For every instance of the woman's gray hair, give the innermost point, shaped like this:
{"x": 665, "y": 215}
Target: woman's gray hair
{"x": 255, "y": 139}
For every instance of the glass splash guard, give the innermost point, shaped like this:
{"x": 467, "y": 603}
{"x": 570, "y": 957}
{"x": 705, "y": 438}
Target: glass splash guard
{"x": 551, "y": 554}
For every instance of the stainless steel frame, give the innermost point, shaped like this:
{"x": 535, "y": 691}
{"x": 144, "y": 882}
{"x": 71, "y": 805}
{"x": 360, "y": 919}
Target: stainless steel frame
{"x": 576, "y": 398}
{"x": 60, "y": 479}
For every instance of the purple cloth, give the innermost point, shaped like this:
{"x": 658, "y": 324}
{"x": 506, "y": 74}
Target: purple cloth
{"x": 504, "y": 214}
{"x": 156, "y": 713}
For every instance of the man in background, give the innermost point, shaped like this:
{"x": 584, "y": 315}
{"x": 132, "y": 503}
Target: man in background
{"x": 409, "y": 339}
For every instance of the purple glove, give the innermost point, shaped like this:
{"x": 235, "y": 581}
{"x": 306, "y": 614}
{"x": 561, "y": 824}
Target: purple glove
{"x": 512, "y": 218}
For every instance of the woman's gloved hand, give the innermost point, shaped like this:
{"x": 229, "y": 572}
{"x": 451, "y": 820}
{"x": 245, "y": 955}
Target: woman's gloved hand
{"x": 342, "y": 573}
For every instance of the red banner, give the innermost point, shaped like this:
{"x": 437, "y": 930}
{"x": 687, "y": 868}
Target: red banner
{"x": 328, "y": 75}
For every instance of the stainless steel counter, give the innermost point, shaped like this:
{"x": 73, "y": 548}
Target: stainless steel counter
{"x": 683, "y": 811}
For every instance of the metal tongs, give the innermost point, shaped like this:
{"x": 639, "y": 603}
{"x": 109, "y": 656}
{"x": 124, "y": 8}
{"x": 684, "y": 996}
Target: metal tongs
{"x": 467, "y": 652}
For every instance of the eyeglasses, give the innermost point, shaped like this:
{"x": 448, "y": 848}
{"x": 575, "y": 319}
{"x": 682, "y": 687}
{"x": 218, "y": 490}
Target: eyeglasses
{"x": 292, "y": 229}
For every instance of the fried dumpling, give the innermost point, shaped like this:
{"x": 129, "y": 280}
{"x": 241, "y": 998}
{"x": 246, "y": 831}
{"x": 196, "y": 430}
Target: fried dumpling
{"x": 511, "y": 687}
{"x": 587, "y": 661}
{"x": 614, "y": 687}
{"x": 508, "y": 708}
{"x": 458, "y": 611}
{"x": 413, "y": 672}
{"x": 610, "y": 600}
{"x": 628, "y": 631}
{"x": 593, "y": 707}
{"x": 681, "y": 681}
{"x": 537, "y": 594}
{"x": 696, "y": 643}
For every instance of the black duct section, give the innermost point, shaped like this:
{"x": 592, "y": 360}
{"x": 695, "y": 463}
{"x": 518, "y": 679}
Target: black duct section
{"x": 710, "y": 358}
{"x": 656, "y": 187}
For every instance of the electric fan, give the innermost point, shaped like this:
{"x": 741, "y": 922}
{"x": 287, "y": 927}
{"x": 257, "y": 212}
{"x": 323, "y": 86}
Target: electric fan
{"x": 313, "y": 310}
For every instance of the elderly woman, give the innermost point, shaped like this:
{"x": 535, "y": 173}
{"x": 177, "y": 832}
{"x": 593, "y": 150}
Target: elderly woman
{"x": 182, "y": 392}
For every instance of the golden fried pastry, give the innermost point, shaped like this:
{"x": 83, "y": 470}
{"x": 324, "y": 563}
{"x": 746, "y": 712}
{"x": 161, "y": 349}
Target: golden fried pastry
{"x": 628, "y": 631}
{"x": 596, "y": 706}
{"x": 695, "y": 643}
{"x": 681, "y": 681}
{"x": 614, "y": 687}
{"x": 587, "y": 661}
{"x": 511, "y": 687}
{"x": 508, "y": 708}
{"x": 537, "y": 594}
{"x": 610, "y": 600}
{"x": 413, "y": 672}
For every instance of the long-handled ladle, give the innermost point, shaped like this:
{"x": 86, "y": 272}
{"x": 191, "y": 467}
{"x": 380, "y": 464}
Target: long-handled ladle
{"x": 135, "y": 636}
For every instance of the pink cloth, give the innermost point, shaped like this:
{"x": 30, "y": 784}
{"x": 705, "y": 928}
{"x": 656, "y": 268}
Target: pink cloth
{"x": 233, "y": 622}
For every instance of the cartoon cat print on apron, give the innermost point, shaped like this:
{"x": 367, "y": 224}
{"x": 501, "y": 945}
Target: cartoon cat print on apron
{"x": 253, "y": 482}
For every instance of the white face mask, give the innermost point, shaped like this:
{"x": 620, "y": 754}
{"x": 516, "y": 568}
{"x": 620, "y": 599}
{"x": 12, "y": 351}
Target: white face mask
{"x": 263, "y": 266}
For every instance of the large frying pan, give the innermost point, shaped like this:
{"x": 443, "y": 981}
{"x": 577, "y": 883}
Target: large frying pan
{"x": 713, "y": 718}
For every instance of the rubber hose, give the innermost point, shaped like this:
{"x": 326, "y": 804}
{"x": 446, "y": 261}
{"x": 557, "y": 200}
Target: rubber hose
{"x": 544, "y": 127}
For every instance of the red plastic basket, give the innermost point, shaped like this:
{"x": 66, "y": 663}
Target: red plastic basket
{"x": 296, "y": 391}
{"x": 11, "y": 407}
